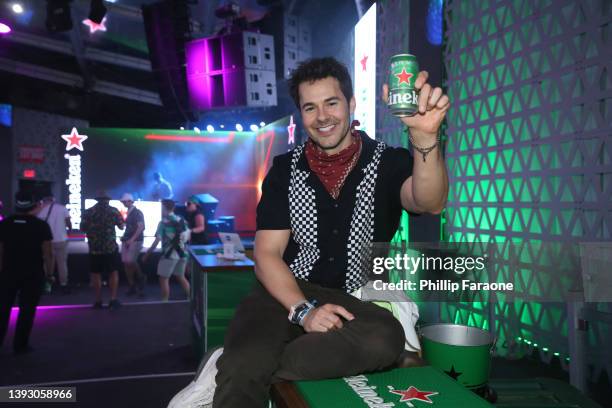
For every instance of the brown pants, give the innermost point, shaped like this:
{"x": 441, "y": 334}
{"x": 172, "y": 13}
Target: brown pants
{"x": 262, "y": 346}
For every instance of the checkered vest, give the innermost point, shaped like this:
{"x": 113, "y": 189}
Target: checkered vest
{"x": 303, "y": 215}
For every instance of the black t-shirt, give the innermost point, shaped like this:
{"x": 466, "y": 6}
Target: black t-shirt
{"x": 197, "y": 238}
{"x": 131, "y": 224}
{"x": 333, "y": 216}
{"x": 22, "y": 237}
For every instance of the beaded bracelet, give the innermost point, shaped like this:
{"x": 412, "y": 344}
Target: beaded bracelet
{"x": 423, "y": 150}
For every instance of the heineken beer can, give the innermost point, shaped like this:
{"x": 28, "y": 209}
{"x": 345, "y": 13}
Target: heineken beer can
{"x": 403, "y": 98}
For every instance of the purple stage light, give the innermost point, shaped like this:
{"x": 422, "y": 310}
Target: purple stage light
{"x": 4, "y": 29}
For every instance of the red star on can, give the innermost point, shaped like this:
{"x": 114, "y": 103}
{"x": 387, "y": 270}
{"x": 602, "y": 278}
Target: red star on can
{"x": 404, "y": 77}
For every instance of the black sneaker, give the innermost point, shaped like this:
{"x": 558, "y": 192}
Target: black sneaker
{"x": 131, "y": 291}
{"x": 97, "y": 305}
{"x": 114, "y": 304}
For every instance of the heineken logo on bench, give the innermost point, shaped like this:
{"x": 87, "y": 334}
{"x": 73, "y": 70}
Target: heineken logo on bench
{"x": 370, "y": 396}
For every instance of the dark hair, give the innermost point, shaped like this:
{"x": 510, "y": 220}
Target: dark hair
{"x": 168, "y": 205}
{"x": 318, "y": 68}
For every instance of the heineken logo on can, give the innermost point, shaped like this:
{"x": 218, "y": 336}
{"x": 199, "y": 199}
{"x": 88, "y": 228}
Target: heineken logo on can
{"x": 403, "y": 98}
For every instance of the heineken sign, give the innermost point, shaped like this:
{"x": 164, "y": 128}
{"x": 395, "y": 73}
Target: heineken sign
{"x": 73, "y": 182}
{"x": 369, "y": 395}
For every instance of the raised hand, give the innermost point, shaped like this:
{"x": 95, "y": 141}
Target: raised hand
{"x": 433, "y": 105}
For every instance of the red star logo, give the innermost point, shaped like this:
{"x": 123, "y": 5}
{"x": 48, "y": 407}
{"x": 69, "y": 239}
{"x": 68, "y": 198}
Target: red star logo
{"x": 291, "y": 130}
{"x": 93, "y": 26}
{"x": 413, "y": 393}
{"x": 363, "y": 61}
{"x": 74, "y": 140}
{"x": 404, "y": 77}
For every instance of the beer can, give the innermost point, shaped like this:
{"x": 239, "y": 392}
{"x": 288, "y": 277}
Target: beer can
{"x": 403, "y": 98}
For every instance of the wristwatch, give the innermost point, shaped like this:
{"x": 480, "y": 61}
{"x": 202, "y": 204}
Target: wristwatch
{"x": 298, "y": 312}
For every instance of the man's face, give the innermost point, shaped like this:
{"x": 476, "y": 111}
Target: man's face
{"x": 326, "y": 114}
{"x": 127, "y": 203}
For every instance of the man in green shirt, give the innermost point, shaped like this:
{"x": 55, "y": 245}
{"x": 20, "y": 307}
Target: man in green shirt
{"x": 173, "y": 233}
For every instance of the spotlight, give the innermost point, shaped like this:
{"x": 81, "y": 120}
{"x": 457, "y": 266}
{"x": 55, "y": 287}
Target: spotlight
{"x": 210, "y": 128}
{"x": 4, "y": 29}
{"x": 58, "y": 16}
{"x": 182, "y": 128}
{"x": 222, "y": 126}
{"x": 17, "y": 8}
{"x": 262, "y": 124}
{"x": 97, "y": 11}
{"x": 196, "y": 129}
{"x": 239, "y": 127}
{"x": 254, "y": 128}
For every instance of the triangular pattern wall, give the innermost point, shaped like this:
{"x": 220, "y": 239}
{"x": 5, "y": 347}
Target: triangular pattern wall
{"x": 529, "y": 155}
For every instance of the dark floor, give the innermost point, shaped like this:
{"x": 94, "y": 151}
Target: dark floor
{"x": 141, "y": 354}
{"x": 145, "y": 340}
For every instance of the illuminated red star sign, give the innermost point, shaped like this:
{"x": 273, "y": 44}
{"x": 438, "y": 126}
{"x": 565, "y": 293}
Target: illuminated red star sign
{"x": 364, "y": 61}
{"x": 404, "y": 77}
{"x": 93, "y": 26}
{"x": 74, "y": 140}
{"x": 413, "y": 393}
{"x": 291, "y": 130}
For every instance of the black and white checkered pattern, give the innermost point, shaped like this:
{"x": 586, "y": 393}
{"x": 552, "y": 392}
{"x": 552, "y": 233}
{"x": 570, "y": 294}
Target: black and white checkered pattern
{"x": 303, "y": 211}
{"x": 361, "y": 233}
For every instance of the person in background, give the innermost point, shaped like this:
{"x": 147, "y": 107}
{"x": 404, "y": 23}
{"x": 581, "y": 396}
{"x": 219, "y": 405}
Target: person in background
{"x": 99, "y": 223}
{"x": 58, "y": 218}
{"x": 173, "y": 233}
{"x": 162, "y": 189}
{"x": 25, "y": 255}
{"x": 131, "y": 245}
{"x": 196, "y": 221}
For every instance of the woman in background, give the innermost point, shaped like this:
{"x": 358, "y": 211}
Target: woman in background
{"x": 195, "y": 221}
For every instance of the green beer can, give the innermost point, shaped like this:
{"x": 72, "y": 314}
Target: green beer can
{"x": 403, "y": 98}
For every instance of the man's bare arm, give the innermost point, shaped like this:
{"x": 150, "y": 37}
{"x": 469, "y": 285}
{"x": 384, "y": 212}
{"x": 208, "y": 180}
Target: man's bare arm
{"x": 277, "y": 278}
{"x": 272, "y": 271}
{"x": 140, "y": 228}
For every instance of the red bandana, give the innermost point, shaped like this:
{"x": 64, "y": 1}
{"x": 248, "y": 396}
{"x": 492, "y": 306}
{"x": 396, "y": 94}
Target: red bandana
{"x": 333, "y": 169}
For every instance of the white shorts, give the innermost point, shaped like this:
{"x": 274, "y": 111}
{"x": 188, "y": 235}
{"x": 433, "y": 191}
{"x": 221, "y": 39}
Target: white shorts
{"x": 130, "y": 252}
{"x": 168, "y": 267}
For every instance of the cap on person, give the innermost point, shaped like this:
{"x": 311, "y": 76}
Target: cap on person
{"x": 127, "y": 197}
{"x": 102, "y": 195}
{"x": 194, "y": 199}
{"x": 24, "y": 201}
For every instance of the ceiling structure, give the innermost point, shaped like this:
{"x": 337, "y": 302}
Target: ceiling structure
{"x": 106, "y": 76}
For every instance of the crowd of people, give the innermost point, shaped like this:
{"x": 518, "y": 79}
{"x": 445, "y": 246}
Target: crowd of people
{"x": 34, "y": 244}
